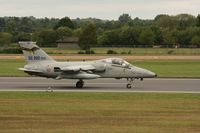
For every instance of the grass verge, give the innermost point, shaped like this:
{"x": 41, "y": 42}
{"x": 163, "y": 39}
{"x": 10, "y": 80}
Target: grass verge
{"x": 99, "y": 112}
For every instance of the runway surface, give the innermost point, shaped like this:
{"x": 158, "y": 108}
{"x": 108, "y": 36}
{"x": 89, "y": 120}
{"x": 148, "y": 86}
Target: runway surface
{"x": 100, "y": 85}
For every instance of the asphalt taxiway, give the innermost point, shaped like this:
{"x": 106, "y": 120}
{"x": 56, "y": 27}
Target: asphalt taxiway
{"x": 169, "y": 85}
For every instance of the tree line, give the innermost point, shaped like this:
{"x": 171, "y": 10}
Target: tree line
{"x": 164, "y": 31}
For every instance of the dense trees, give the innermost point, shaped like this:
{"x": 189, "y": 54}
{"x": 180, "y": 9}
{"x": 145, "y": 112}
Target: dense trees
{"x": 46, "y": 38}
{"x": 64, "y": 32}
{"x": 88, "y": 37}
{"x": 125, "y": 36}
{"x": 166, "y": 31}
{"x": 5, "y": 38}
{"x": 198, "y": 21}
{"x": 147, "y": 37}
{"x": 125, "y": 19}
{"x": 195, "y": 40}
{"x": 64, "y": 22}
{"x": 169, "y": 38}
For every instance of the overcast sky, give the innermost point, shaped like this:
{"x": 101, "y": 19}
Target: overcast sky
{"x": 104, "y": 9}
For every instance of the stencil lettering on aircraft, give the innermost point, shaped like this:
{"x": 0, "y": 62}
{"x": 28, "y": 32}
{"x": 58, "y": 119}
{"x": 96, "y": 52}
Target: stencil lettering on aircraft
{"x": 37, "y": 58}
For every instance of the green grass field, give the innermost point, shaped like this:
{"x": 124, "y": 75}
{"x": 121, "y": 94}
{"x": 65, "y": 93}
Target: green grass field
{"x": 174, "y": 68}
{"x": 134, "y": 51}
{"x": 10, "y": 68}
{"x": 43, "y": 112}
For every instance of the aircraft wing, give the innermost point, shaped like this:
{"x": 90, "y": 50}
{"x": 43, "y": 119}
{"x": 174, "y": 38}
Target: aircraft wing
{"x": 78, "y": 72}
{"x": 78, "y": 68}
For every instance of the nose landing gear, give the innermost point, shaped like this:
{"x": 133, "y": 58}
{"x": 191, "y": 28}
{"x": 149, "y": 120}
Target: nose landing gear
{"x": 80, "y": 84}
{"x": 130, "y": 83}
{"x": 128, "y": 86}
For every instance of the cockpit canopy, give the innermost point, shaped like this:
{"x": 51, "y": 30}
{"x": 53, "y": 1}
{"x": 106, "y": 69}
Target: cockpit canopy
{"x": 117, "y": 61}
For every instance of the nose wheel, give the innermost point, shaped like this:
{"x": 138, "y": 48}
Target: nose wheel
{"x": 128, "y": 86}
{"x": 130, "y": 83}
{"x": 79, "y": 84}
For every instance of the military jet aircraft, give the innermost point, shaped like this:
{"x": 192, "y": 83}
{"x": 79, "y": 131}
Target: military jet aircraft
{"x": 40, "y": 64}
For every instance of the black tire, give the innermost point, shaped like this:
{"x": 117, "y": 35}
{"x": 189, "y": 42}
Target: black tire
{"x": 128, "y": 86}
{"x": 79, "y": 84}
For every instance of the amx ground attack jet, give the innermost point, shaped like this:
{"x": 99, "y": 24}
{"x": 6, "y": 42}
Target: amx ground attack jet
{"x": 40, "y": 64}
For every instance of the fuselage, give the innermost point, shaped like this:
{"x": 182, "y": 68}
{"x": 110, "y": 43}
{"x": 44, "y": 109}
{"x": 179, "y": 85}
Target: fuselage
{"x": 103, "y": 69}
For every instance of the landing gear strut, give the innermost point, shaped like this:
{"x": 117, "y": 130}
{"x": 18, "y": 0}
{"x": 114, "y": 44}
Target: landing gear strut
{"x": 130, "y": 83}
{"x": 80, "y": 84}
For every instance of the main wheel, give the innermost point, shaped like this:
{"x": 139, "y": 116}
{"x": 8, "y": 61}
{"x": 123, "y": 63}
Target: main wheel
{"x": 128, "y": 86}
{"x": 79, "y": 84}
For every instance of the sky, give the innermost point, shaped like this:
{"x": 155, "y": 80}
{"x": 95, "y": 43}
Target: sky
{"x": 103, "y": 9}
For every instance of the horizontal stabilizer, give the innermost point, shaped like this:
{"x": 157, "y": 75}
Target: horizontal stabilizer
{"x": 28, "y": 70}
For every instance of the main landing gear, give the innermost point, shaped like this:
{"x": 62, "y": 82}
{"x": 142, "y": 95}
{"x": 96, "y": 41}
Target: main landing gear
{"x": 130, "y": 83}
{"x": 79, "y": 84}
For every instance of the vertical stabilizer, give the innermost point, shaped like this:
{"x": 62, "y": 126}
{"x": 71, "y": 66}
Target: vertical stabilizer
{"x": 33, "y": 53}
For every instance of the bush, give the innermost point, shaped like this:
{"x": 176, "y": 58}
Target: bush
{"x": 111, "y": 52}
{"x": 129, "y": 52}
{"x": 171, "y": 52}
{"x": 9, "y": 50}
{"x": 81, "y": 52}
{"x": 123, "y": 52}
{"x": 89, "y": 52}
{"x": 86, "y": 52}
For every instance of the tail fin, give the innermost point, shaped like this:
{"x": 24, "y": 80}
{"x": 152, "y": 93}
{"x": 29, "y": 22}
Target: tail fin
{"x": 33, "y": 53}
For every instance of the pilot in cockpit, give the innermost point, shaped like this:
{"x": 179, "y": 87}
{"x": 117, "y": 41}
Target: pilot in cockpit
{"x": 117, "y": 61}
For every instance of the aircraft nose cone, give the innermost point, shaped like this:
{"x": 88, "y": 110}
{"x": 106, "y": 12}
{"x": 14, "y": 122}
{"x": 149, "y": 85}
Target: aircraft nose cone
{"x": 151, "y": 74}
{"x": 140, "y": 72}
